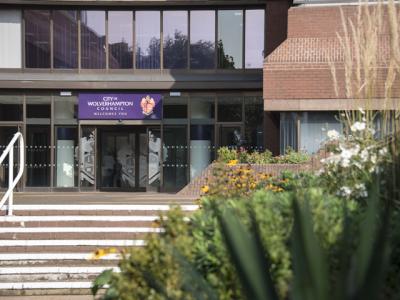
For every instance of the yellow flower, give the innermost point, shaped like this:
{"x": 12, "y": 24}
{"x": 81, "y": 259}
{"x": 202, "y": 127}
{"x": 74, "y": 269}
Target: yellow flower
{"x": 205, "y": 189}
{"x": 99, "y": 253}
{"x": 232, "y": 162}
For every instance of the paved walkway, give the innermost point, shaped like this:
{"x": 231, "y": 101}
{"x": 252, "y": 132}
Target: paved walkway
{"x": 94, "y": 198}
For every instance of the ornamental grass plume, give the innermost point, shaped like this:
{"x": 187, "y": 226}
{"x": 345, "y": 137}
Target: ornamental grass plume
{"x": 370, "y": 63}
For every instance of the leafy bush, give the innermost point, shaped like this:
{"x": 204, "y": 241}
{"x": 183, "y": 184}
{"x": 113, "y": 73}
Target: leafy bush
{"x": 225, "y": 155}
{"x": 155, "y": 271}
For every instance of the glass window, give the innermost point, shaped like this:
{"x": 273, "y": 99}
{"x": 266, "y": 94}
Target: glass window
{"x": 202, "y": 39}
{"x": 175, "y": 108}
{"x": 147, "y": 32}
{"x": 10, "y": 31}
{"x": 66, "y": 172}
{"x": 254, "y": 118}
{"x": 65, "y": 110}
{"x": 93, "y": 39}
{"x": 38, "y": 109}
{"x": 175, "y": 158}
{"x": 120, "y": 35}
{"x": 65, "y": 39}
{"x": 288, "y": 131}
{"x": 38, "y": 155}
{"x": 10, "y": 108}
{"x": 254, "y": 44}
{"x": 230, "y": 109}
{"x": 37, "y": 38}
{"x": 230, "y": 136}
{"x": 202, "y": 114}
{"x": 175, "y": 39}
{"x": 314, "y": 127}
{"x": 87, "y": 157}
{"x": 230, "y": 39}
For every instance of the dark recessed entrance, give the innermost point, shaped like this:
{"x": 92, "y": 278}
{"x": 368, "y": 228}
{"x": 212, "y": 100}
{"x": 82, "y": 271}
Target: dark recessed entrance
{"x": 123, "y": 159}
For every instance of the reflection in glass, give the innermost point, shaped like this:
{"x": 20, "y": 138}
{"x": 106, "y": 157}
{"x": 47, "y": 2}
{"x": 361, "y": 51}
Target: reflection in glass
{"x": 37, "y": 38}
{"x": 147, "y": 32}
{"x": 201, "y": 134}
{"x": 10, "y": 108}
{"x": 175, "y": 158}
{"x": 38, "y": 155}
{"x": 202, "y": 39}
{"x": 154, "y": 157}
{"x": 254, "y": 116}
{"x": 65, "y": 110}
{"x": 87, "y": 157}
{"x": 65, "y": 39}
{"x": 93, "y": 39}
{"x": 254, "y": 44}
{"x": 65, "y": 157}
{"x": 288, "y": 131}
{"x": 230, "y": 39}
{"x": 229, "y": 109}
{"x": 175, "y": 39}
{"x": 120, "y": 31}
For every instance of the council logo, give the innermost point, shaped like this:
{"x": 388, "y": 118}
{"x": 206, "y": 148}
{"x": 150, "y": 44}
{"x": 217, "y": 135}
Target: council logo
{"x": 147, "y": 104}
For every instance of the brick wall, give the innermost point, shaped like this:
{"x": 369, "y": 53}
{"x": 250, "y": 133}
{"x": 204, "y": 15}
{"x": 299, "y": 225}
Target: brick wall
{"x": 299, "y": 67}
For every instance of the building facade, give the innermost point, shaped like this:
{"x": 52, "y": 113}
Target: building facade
{"x": 129, "y": 95}
{"x": 300, "y": 99}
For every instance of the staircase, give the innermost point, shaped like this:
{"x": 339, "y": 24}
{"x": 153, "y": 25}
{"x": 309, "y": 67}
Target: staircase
{"x": 45, "y": 249}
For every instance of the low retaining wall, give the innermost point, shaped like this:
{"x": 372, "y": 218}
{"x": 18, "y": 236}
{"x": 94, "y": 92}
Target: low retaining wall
{"x": 194, "y": 186}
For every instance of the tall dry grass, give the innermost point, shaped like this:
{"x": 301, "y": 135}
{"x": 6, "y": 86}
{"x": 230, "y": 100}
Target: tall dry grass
{"x": 371, "y": 64}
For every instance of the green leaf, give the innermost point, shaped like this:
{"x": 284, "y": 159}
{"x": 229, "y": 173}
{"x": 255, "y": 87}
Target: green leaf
{"x": 310, "y": 270}
{"x": 192, "y": 281}
{"x": 247, "y": 257}
{"x": 101, "y": 280}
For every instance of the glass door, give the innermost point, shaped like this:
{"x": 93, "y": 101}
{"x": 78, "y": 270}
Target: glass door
{"x": 154, "y": 158}
{"x": 118, "y": 161}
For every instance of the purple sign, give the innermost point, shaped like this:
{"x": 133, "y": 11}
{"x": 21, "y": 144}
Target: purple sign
{"x": 120, "y": 106}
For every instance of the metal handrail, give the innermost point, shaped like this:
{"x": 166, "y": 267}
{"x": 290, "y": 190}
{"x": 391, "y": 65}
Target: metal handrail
{"x": 12, "y": 182}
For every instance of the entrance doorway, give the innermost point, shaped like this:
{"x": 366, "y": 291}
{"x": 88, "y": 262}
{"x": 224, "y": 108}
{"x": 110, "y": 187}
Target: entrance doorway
{"x": 123, "y": 159}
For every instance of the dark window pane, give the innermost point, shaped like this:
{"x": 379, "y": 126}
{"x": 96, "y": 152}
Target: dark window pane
{"x": 175, "y": 39}
{"x": 175, "y": 162}
{"x": 202, "y": 39}
{"x": 147, "y": 39}
{"x": 38, "y": 155}
{"x": 175, "y": 108}
{"x": 120, "y": 35}
{"x": 93, "y": 39}
{"x": 10, "y": 108}
{"x": 230, "y": 39}
{"x": 229, "y": 109}
{"x": 37, "y": 38}
{"x": 65, "y": 39}
{"x": 254, "y": 45}
{"x": 254, "y": 116}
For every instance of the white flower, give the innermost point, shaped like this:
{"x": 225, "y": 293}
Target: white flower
{"x": 361, "y": 189}
{"x": 364, "y": 155}
{"x": 361, "y": 111}
{"x": 358, "y": 126}
{"x": 383, "y": 151}
{"x": 332, "y": 135}
{"x": 345, "y": 191}
{"x": 373, "y": 158}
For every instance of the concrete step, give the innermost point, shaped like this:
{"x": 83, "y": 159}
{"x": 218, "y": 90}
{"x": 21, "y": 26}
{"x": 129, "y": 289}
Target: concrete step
{"x": 46, "y": 249}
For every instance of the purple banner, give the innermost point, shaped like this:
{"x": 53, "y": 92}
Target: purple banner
{"x": 120, "y": 106}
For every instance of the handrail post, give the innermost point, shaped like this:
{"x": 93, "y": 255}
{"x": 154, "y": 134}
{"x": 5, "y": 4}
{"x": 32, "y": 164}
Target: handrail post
{"x": 10, "y": 179}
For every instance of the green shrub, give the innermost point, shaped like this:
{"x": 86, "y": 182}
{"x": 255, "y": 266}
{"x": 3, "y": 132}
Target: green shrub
{"x": 225, "y": 154}
{"x": 292, "y": 157}
{"x": 201, "y": 243}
